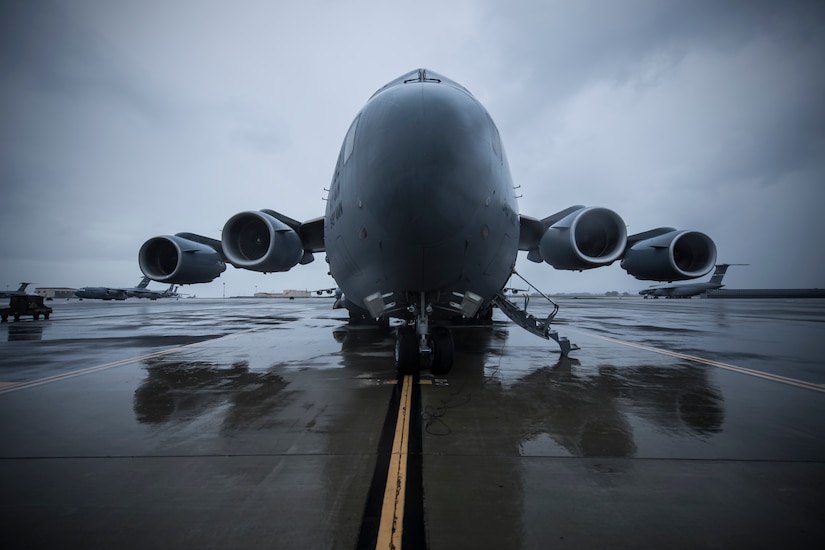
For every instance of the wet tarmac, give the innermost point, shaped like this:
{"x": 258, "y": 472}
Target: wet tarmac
{"x": 268, "y": 424}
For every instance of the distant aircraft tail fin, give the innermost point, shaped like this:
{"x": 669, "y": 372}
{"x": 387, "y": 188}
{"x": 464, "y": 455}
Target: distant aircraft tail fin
{"x": 144, "y": 282}
{"x": 721, "y": 269}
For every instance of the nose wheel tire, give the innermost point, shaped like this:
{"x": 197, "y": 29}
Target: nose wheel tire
{"x": 443, "y": 351}
{"x": 407, "y": 358}
{"x": 406, "y": 350}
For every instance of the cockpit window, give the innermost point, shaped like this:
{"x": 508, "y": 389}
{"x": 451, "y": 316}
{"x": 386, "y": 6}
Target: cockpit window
{"x": 495, "y": 137}
{"x": 422, "y": 75}
{"x": 349, "y": 140}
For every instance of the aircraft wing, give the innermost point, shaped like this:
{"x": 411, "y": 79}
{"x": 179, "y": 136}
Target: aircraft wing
{"x": 531, "y": 230}
{"x": 579, "y": 238}
{"x": 312, "y": 235}
{"x": 141, "y": 292}
{"x": 265, "y": 241}
{"x": 645, "y": 235}
{"x": 530, "y": 233}
{"x": 558, "y": 239}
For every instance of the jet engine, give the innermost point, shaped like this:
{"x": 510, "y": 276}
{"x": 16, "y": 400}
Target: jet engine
{"x": 672, "y": 256}
{"x": 179, "y": 260}
{"x": 261, "y": 242}
{"x": 587, "y": 238}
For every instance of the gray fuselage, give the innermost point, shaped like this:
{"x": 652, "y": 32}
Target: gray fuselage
{"x": 421, "y": 200}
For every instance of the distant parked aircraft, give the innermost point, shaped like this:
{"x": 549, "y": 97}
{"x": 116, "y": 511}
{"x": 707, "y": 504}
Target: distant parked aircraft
{"x": 686, "y": 290}
{"x": 140, "y": 291}
{"x": 143, "y": 292}
{"x": 19, "y": 292}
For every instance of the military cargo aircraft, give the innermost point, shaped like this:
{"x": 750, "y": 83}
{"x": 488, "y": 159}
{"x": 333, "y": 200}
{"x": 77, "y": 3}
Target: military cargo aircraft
{"x": 21, "y": 291}
{"x": 686, "y": 290}
{"x": 422, "y": 225}
{"x": 140, "y": 291}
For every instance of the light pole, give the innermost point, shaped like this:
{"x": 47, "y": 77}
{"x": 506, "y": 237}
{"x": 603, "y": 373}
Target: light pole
{"x": 224, "y": 290}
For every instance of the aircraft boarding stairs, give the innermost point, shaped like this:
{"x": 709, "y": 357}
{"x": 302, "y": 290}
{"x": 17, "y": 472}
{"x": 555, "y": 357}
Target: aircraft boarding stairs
{"x": 531, "y": 324}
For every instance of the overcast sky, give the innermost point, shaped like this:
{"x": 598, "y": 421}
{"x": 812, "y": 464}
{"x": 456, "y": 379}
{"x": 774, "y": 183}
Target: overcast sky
{"x": 124, "y": 120}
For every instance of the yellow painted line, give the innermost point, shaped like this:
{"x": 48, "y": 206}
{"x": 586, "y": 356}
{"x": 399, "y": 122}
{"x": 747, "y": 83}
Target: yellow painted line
{"x": 392, "y": 513}
{"x": 15, "y": 386}
{"x": 710, "y": 362}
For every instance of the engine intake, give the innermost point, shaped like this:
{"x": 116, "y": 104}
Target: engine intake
{"x": 261, "y": 242}
{"x": 673, "y": 256}
{"x": 587, "y": 238}
{"x": 174, "y": 259}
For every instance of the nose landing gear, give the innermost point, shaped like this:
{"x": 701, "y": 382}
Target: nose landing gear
{"x": 416, "y": 344}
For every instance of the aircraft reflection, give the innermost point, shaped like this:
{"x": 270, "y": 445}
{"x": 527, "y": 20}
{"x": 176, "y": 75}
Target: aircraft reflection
{"x": 477, "y": 428}
{"x": 584, "y": 410}
{"x": 179, "y": 392}
{"x": 588, "y": 415}
{"x": 20, "y": 331}
{"x": 481, "y": 415}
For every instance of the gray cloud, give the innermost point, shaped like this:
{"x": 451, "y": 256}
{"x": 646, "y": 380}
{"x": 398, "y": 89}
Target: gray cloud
{"x": 41, "y": 52}
{"x": 126, "y": 120}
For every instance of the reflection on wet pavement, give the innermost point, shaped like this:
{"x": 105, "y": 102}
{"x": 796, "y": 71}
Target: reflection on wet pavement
{"x": 180, "y": 392}
{"x": 262, "y": 420}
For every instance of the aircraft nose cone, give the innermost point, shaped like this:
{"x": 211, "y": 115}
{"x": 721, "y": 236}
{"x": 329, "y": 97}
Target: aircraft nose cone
{"x": 429, "y": 173}
{"x": 429, "y": 208}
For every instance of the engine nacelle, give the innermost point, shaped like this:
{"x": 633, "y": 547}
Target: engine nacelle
{"x": 260, "y": 242}
{"x": 174, "y": 259}
{"x": 587, "y": 238}
{"x": 673, "y": 256}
